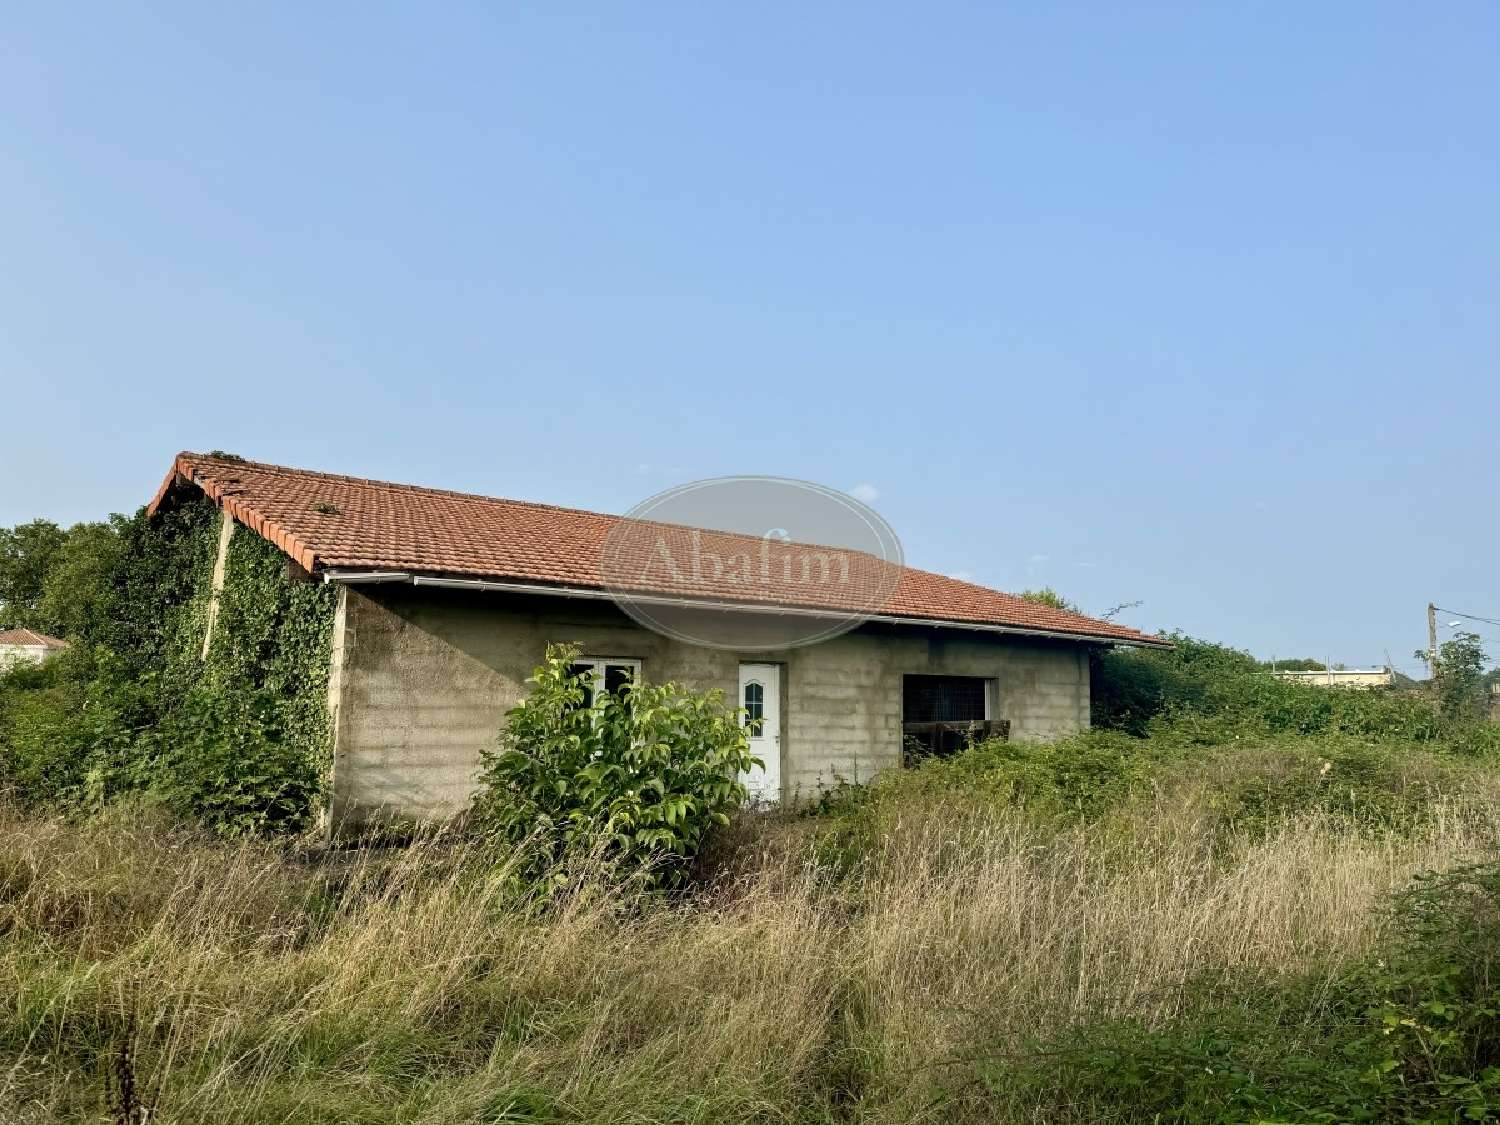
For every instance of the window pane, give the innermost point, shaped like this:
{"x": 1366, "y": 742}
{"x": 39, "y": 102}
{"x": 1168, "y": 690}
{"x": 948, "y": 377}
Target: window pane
{"x": 585, "y": 674}
{"x": 617, "y": 676}
{"x": 755, "y": 707}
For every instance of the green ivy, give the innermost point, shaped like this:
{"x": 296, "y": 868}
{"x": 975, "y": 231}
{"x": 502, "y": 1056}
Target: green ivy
{"x": 239, "y": 740}
{"x": 249, "y": 743}
{"x": 273, "y": 640}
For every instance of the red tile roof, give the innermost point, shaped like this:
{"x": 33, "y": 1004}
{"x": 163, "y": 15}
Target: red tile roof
{"x": 29, "y": 638}
{"x": 337, "y": 523}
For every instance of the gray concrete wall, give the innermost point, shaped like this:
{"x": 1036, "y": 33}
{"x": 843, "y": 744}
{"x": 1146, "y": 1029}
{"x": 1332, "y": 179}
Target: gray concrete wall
{"x": 422, "y": 679}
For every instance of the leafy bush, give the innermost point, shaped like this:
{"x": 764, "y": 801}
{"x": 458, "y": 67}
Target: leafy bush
{"x": 40, "y": 750}
{"x": 638, "y": 778}
{"x": 1104, "y": 778}
{"x": 225, "y": 761}
{"x": 1130, "y": 687}
{"x": 1204, "y": 694}
{"x": 1438, "y": 1037}
{"x": 1071, "y": 779}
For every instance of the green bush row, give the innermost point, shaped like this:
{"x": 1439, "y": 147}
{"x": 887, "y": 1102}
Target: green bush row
{"x": 1206, "y": 694}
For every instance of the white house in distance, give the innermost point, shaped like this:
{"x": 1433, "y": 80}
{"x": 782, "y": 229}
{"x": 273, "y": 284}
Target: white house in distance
{"x": 1361, "y": 678}
{"x": 27, "y": 646}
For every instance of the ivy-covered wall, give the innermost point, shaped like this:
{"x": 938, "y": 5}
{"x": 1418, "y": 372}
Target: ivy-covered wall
{"x": 238, "y": 739}
{"x": 273, "y": 637}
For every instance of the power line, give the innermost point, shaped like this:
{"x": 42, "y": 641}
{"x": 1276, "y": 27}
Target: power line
{"x": 1467, "y": 616}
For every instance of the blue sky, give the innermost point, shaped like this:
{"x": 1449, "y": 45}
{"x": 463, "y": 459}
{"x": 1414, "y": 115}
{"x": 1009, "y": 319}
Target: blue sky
{"x": 1187, "y": 304}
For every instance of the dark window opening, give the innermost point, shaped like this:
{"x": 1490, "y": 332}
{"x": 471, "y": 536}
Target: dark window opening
{"x": 940, "y": 715}
{"x": 596, "y": 675}
{"x": 584, "y": 674}
{"x": 617, "y": 676}
{"x": 942, "y": 699}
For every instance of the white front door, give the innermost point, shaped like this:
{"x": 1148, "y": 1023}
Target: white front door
{"x": 760, "y": 697}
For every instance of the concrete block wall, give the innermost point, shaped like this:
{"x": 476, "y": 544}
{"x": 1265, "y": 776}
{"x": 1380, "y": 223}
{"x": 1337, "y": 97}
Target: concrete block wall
{"x": 844, "y": 696}
{"x": 422, "y": 679}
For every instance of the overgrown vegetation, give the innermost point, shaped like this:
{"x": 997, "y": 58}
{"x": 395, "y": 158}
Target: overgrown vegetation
{"x": 1237, "y": 900}
{"x": 1205, "y": 694}
{"x": 1125, "y": 948}
{"x": 1412, "y": 1034}
{"x": 237, "y": 739}
{"x": 634, "y": 778}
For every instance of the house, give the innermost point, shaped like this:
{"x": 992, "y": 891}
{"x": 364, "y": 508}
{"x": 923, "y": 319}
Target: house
{"x": 447, "y": 601}
{"x": 1361, "y": 678}
{"x": 27, "y": 646}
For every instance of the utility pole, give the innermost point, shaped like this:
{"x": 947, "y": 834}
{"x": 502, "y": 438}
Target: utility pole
{"x": 1432, "y": 670}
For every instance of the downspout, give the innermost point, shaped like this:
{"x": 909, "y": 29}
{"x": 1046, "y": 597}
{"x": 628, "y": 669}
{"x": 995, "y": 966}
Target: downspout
{"x": 216, "y": 583}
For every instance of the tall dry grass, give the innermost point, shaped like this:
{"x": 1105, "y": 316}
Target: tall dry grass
{"x": 249, "y": 983}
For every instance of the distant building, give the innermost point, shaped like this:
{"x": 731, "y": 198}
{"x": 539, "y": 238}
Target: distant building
{"x": 1361, "y": 678}
{"x": 27, "y": 646}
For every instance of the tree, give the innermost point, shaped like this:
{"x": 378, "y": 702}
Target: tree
{"x": 76, "y": 588}
{"x": 1050, "y": 597}
{"x": 27, "y": 553}
{"x": 1460, "y": 676}
{"x": 1301, "y": 664}
{"x": 56, "y": 581}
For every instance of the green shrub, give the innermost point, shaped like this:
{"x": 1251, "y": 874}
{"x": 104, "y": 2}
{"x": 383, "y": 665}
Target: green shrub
{"x": 1070, "y": 779}
{"x": 1437, "y": 1038}
{"x": 638, "y": 778}
{"x": 70, "y": 731}
{"x": 41, "y": 746}
{"x": 1204, "y": 694}
{"x": 226, "y": 762}
{"x": 1239, "y": 792}
{"x": 1130, "y": 687}
{"x": 1072, "y": 776}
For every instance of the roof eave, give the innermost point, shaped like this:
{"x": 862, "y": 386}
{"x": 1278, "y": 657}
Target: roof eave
{"x": 368, "y": 577}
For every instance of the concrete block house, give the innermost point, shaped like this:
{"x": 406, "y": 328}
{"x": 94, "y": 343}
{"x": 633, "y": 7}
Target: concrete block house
{"x": 447, "y": 601}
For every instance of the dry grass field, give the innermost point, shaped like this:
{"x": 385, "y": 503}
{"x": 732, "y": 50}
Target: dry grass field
{"x": 149, "y": 972}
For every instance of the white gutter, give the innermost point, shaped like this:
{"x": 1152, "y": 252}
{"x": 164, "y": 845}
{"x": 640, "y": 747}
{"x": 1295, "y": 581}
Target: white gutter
{"x": 351, "y": 577}
{"x": 345, "y": 577}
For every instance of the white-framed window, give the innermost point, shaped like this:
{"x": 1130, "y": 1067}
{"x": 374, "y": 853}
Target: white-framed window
{"x": 604, "y": 674}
